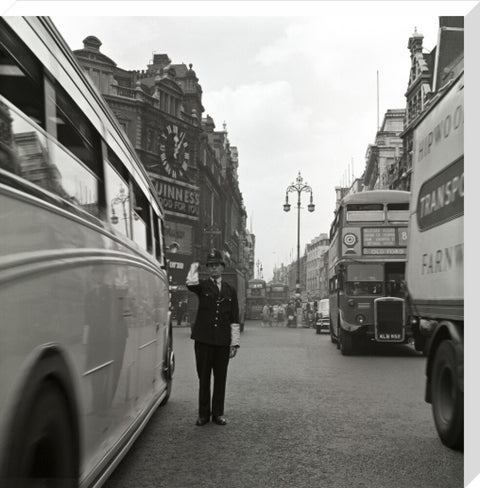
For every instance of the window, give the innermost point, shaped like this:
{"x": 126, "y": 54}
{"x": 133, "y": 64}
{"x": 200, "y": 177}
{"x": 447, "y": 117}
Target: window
{"x": 71, "y": 128}
{"x": 157, "y": 243}
{"x": 29, "y": 153}
{"x": 142, "y": 234}
{"x": 21, "y": 77}
{"x": 397, "y": 212}
{"x": 365, "y": 272}
{"x": 365, "y": 212}
{"x": 118, "y": 199}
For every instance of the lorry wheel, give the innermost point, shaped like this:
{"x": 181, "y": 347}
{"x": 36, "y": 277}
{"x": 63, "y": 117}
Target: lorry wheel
{"x": 346, "y": 343}
{"x": 447, "y": 398}
{"x": 44, "y": 453}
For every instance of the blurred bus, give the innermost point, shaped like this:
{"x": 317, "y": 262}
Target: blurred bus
{"x": 86, "y": 341}
{"x": 277, "y": 293}
{"x": 367, "y": 255}
{"x": 256, "y": 298}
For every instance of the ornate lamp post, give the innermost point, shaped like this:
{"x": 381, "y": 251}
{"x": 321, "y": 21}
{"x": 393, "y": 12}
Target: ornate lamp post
{"x": 299, "y": 187}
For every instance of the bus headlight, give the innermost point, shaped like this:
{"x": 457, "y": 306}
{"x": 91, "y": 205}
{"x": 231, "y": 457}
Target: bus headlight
{"x": 360, "y": 318}
{"x": 351, "y": 303}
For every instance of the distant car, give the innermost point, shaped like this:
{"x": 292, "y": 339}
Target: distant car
{"x": 323, "y": 316}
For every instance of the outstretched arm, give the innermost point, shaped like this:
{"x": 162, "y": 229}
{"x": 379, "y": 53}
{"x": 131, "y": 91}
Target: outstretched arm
{"x": 193, "y": 280}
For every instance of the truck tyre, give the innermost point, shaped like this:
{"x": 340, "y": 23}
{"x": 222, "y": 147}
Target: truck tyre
{"x": 346, "y": 343}
{"x": 447, "y": 398}
{"x": 44, "y": 452}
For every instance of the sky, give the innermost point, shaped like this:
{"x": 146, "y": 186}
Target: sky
{"x": 296, "y": 86}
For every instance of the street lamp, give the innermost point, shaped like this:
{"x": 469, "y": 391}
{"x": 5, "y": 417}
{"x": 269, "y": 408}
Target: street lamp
{"x": 299, "y": 187}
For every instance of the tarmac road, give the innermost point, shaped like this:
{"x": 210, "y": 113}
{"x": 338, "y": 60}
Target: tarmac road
{"x": 299, "y": 415}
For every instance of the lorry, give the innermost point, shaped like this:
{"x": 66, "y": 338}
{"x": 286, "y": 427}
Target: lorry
{"x": 435, "y": 269}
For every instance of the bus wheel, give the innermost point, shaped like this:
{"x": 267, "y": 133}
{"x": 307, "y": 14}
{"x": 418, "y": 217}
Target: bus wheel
{"x": 447, "y": 398}
{"x": 346, "y": 343}
{"x": 332, "y": 337}
{"x": 169, "y": 368}
{"x": 44, "y": 452}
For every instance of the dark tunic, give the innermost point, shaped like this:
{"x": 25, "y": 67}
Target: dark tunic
{"x": 217, "y": 310}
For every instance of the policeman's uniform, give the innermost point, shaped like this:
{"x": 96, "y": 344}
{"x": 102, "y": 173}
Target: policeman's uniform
{"x": 215, "y": 330}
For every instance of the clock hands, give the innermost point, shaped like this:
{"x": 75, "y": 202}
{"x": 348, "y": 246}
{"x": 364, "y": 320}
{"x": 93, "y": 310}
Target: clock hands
{"x": 177, "y": 144}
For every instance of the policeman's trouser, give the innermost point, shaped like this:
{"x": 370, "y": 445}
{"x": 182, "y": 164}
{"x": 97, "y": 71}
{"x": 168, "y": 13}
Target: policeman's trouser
{"x": 210, "y": 358}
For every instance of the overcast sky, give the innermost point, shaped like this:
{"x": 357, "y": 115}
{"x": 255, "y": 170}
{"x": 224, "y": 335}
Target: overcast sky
{"x": 295, "y": 83}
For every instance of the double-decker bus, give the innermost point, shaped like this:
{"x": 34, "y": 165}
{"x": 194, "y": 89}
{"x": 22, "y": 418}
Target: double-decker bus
{"x": 367, "y": 255}
{"x": 256, "y": 298}
{"x": 277, "y": 294}
{"x": 86, "y": 340}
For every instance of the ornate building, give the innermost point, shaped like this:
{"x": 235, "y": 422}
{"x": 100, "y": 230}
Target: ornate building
{"x": 192, "y": 166}
{"x": 428, "y": 73}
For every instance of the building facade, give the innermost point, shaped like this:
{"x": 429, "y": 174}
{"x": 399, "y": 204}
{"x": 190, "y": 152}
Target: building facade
{"x": 192, "y": 166}
{"x": 429, "y": 72}
{"x": 386, "y": 152}
{"x": 313, "y": 263}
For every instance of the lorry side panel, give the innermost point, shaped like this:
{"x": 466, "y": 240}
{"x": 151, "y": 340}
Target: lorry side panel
{"x": 434, "y": 270}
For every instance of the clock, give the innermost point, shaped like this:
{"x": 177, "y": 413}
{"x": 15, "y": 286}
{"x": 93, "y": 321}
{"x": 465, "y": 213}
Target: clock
{"x": 174, "y": 154}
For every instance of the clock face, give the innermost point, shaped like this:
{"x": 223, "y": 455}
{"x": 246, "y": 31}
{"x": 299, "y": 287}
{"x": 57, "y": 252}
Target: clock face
{"x": 174, "y": 151}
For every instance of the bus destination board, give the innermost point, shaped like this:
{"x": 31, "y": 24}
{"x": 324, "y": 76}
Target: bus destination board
{"x": 379, "y": 237}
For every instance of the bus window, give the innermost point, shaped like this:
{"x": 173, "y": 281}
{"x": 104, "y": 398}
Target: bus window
{"x": 141, "y": 219}
{"x": 364, "y": 279}
{"x": 156, "y": 238}
{"x": 365, "y": 272}
{"x": 356, "y": 288}
{"x": 21, "y": 77}
{"x": 365, "y": 212}
{"x": 397, "y": 212}
{"x": 118, "y": 198}
{"x": 71, "y": 128}
{"x": 40, "y": 160}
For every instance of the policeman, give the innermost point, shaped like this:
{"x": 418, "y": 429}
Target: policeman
{"x": 216, "y": 333}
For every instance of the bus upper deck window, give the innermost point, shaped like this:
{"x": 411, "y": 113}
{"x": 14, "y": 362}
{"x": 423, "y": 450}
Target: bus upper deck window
{"x": 397, "y": 212}
{"x": 365, "y": 212}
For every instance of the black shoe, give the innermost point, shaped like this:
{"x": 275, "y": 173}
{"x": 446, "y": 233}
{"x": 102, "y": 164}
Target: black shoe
{"x": 201, "y": 421}
{"x": 220, "y": 420}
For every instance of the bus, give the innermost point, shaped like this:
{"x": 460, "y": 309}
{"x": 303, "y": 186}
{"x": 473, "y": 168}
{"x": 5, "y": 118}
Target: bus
{"x": 278, "y": 293}
{"x": 86, "y": 340}
{"x": 256, "y": 298}
{"x": 366, "y": 269}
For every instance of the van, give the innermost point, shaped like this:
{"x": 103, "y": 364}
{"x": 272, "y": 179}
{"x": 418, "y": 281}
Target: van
{"x": 323, "y": 316}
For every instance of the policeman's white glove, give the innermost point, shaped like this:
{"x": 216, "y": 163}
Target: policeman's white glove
{"x": 235, "y": 342}
{"x": 192, "y": 276}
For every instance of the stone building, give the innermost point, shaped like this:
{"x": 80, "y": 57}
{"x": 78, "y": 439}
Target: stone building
{"x": 314, "y": 252}
{"x": 385, "y": 152}
{"x": 192, "y": 166}
{"x": 429, "y": 72}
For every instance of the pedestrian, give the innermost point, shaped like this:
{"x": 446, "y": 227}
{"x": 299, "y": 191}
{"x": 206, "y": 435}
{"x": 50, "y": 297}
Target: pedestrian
{"x": 281, "y": 315}
{"x": 270, "y": 315}
{"x": 216, "y": 333}
{"x": 265, "y": 315}
{"x": 290, "y": 314}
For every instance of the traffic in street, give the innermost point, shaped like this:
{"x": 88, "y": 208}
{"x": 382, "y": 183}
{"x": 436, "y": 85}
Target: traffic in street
{"x": 299, "y": 414}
